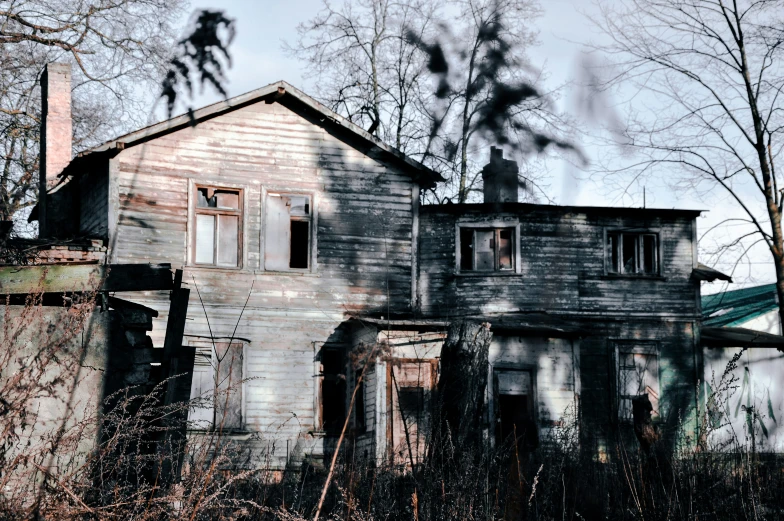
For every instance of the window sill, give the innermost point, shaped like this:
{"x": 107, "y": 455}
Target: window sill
{"x": 206, "y": 267}
{"x": 235, "y": 434}
{"x": 621, "y": 276}
{"x": 288, "y": 273}
{"x": 486, "y": 274}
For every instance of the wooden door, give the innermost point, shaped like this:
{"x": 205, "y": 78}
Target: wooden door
{"x": 410, "y": 385}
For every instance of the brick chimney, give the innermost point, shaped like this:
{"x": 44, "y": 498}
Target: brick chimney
{"x": 56, "y": 131}
{"x": 500, "y": 178}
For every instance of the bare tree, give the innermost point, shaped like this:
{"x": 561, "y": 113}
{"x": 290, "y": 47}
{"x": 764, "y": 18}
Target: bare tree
{"x": 119, "y": 50}
{"x": 488, "y": 92}
{"x": 365, "y": 67}
{"x": 713, "y": 73}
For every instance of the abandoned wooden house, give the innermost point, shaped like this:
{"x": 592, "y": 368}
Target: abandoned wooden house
{"x": 307, "y": 253}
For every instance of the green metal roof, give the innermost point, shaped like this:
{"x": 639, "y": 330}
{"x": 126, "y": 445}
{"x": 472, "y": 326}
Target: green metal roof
{"x": 733, "y": 308}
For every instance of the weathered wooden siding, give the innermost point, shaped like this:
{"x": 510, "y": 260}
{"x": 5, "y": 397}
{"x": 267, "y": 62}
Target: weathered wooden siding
{"x": 675, "y": 342}
{"x": 554, "y": 367}
{"x": 562, "y": 264}
{"x": 363, "y": 235}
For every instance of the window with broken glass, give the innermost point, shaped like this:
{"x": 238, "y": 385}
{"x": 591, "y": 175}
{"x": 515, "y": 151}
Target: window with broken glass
{"x": 634, "y": 253}
{"x": 638, "y": 375}
{"x": 217, "y": 227}
{"x": 287, "y": 237}
{"x": 486, "y": 249}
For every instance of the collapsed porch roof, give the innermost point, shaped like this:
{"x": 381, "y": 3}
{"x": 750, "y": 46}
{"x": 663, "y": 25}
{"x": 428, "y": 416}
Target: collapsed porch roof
{"x": 540, "y": 324}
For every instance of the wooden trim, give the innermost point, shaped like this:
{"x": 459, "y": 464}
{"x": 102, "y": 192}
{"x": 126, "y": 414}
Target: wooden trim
{"x": 415, "y": 247}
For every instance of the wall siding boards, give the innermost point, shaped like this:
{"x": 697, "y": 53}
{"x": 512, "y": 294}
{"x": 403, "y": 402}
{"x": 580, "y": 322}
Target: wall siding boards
{"x": 362, "y": 226}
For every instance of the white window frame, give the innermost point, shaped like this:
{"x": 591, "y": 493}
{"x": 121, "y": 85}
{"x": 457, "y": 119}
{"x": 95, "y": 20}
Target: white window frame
{"x": 267, "y": 192}
{"x": 206, "y": 347}
{"x": 642, "y": 347}
{"x": 516, "y": 262}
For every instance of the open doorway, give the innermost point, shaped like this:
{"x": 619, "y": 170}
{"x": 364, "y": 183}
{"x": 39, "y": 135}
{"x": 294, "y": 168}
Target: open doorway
{"x": 514, "y": 409}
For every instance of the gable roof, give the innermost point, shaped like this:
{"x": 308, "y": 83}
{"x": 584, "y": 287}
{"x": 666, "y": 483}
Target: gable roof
{"x": 732, "y": 308}
{"x": 281, "y": 92}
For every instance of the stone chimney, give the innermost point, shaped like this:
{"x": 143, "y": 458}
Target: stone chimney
{"x": 500, "y": 178}
{"x": 56, "y": 131}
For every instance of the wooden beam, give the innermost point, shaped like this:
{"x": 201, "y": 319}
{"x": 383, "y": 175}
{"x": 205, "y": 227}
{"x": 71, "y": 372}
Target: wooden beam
{"x": 77, "y": 278}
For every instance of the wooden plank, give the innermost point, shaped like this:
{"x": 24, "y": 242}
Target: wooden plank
{"x": 70, "y": 278}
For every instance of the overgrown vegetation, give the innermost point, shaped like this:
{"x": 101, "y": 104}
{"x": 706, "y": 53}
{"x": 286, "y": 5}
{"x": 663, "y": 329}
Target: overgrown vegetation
{"x": 105, "y": 461}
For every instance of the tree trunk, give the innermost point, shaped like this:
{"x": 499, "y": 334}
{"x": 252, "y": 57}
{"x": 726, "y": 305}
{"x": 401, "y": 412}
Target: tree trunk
{"x": 463, "y": 381}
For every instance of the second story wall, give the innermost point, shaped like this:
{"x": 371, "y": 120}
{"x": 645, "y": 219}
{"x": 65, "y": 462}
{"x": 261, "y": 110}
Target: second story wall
{"x": 556, "y": 259}
{"x": 354, "y": 213}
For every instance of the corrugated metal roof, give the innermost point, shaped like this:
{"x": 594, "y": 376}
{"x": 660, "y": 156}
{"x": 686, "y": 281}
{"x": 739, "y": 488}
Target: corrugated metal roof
{"x": 732, "y": 308}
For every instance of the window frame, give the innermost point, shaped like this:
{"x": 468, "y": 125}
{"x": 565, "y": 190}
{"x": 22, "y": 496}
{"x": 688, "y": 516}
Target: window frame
{"x": 496, "y": 225}
{"x": 203, "y": 347}
{"x": 641, "y": 232}
{"x": 395, "y": 364}
{"x": 642, "y": 347}
{"x": 312, "y": 248}
{"x": 491, "y": 393}
{"x": 342, "y": 352}
{"x": 194, "y": 210}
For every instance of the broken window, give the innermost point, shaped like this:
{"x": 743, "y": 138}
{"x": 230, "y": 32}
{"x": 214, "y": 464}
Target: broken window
{"x": 486, "y": 249}
{"x": 217, "y": 366}
{"x": 287, "y": 237}
{"x": 632, "y": 253}
{"x": 217, "y": 227}
{"x": 514, "y": 409}
{"x": 333, "y": 389}
{"x": 638, "y": 375}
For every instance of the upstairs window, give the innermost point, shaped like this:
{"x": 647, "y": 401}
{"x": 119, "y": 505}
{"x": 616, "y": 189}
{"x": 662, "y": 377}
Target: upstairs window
{"x": 487, "y": 249}
{"x": 632, "y": 253}
{"x": 218, "y": 227}
{"x": 288, "y": 232}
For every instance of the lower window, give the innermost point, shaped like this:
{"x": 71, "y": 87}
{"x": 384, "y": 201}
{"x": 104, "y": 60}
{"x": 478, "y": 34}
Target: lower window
{"x": 638, "y": 378}
{"x": 217, "y": 384}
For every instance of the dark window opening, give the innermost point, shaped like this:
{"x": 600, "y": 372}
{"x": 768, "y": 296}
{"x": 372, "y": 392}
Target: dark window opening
{"x": 632, "y": 253}
{"x": 299, "y": 244}
{"x": 486, "y": 249}
{"x": 217, "y": 227}
{"x": 360, "y": 422}
{"x": 411, "y": 402}
{"x": 287, "y": 241}
{"x": 466, "y": 249}
{"x": 333, "y": 390}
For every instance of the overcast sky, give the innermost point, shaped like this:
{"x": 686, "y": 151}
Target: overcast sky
{"x": 258, "y": 60}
